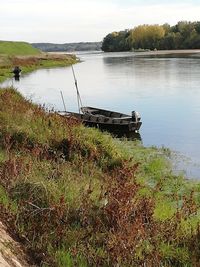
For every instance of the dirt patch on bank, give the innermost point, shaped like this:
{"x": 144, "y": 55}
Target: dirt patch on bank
{"x": 35, "y": 60}
{"x": 11, "y": 253}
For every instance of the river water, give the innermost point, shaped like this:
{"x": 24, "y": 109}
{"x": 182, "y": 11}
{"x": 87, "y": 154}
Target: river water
{"x": 165, "y": 89}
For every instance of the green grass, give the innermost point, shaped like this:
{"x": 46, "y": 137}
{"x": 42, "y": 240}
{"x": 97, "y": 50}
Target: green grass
{"x": 32, "y": 62}
{"x": 79, "y": 197}
{"x": 17, "y": 48}
{"x": 28, "y": 58}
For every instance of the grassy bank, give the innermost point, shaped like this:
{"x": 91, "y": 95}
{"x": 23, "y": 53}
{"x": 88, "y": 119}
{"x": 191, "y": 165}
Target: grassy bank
{"x": 77, "y": 197}
{"x": 18, "y": 49}
{"x": 28, "y": 58}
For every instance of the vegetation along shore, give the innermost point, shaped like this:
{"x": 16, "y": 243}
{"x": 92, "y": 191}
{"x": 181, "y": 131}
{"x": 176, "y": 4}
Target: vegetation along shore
{"x": 28, "y": 58}
{"x": 183, "y": 35}
{"x": 77, "y": 197}
{"x": 68, "y": 47}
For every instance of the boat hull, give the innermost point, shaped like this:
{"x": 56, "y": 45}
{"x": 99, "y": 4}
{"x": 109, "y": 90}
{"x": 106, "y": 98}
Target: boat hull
{"x": 115, "y": 128}
{"x": 124, "y": 123}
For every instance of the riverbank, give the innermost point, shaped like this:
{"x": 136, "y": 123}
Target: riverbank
{"x": 28, "y": 58}
{"x": 77, "y": 197}
{"x": 195, "y": 52}
{"x": 29, "y": 63}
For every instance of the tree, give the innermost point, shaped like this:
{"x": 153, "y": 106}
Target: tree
{"x": 116, "y": 41}
{"x": 146, "y": 36}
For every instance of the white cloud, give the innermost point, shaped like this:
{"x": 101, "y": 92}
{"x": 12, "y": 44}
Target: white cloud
{"x": 78, "y": 20}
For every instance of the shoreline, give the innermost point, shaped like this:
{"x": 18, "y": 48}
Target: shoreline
{"x": 169, "y": 52}
{"x": 30, "y": 63}
{"x": 184, "y": 52}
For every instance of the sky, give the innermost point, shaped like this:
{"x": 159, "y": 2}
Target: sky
{"x": 64, "y": 21}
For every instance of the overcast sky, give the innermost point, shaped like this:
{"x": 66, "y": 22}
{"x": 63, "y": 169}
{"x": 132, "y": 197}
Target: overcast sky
{"x": 62, "y": 21}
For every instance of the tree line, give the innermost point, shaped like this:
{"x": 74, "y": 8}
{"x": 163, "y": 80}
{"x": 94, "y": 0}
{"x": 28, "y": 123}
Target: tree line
{"x": 183, "y": 35}
{"x": 68, "y": 47}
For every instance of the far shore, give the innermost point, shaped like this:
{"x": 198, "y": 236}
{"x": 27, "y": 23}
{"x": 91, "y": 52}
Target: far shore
{"x": 156, "y": 52}
{"x": 168, "y": 52}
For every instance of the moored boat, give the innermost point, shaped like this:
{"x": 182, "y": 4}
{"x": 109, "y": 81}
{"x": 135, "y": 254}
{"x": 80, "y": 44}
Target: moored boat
{"x": 103, "y": 119}
{"x": 107, "y": 120}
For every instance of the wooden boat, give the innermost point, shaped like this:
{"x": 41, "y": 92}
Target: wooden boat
{"x": 107, "y": 120}
{"x": 103, "y": 119}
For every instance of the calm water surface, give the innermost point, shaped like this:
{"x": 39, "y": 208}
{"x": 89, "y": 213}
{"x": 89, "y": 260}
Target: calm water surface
{"x": 165, "y": 90}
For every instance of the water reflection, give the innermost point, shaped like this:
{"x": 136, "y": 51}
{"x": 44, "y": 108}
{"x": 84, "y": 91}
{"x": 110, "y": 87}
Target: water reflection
{"x": 172, "y": 55}
{"x": 16, "y": 77}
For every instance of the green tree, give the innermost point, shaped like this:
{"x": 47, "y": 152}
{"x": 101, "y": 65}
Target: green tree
{"x": 146, "y": 36}
{"x": 116, "y": 41}
{"x": 197, "y": 27}
{"x": 183, "y": 35}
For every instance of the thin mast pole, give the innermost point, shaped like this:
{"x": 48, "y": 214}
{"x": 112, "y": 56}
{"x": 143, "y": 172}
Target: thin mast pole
{"x": 63, "y": 101}
{"x": 79, "y": 101}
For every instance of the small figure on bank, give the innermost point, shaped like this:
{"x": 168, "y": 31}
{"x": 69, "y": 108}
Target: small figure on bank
{"x": 16, "y": 71}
